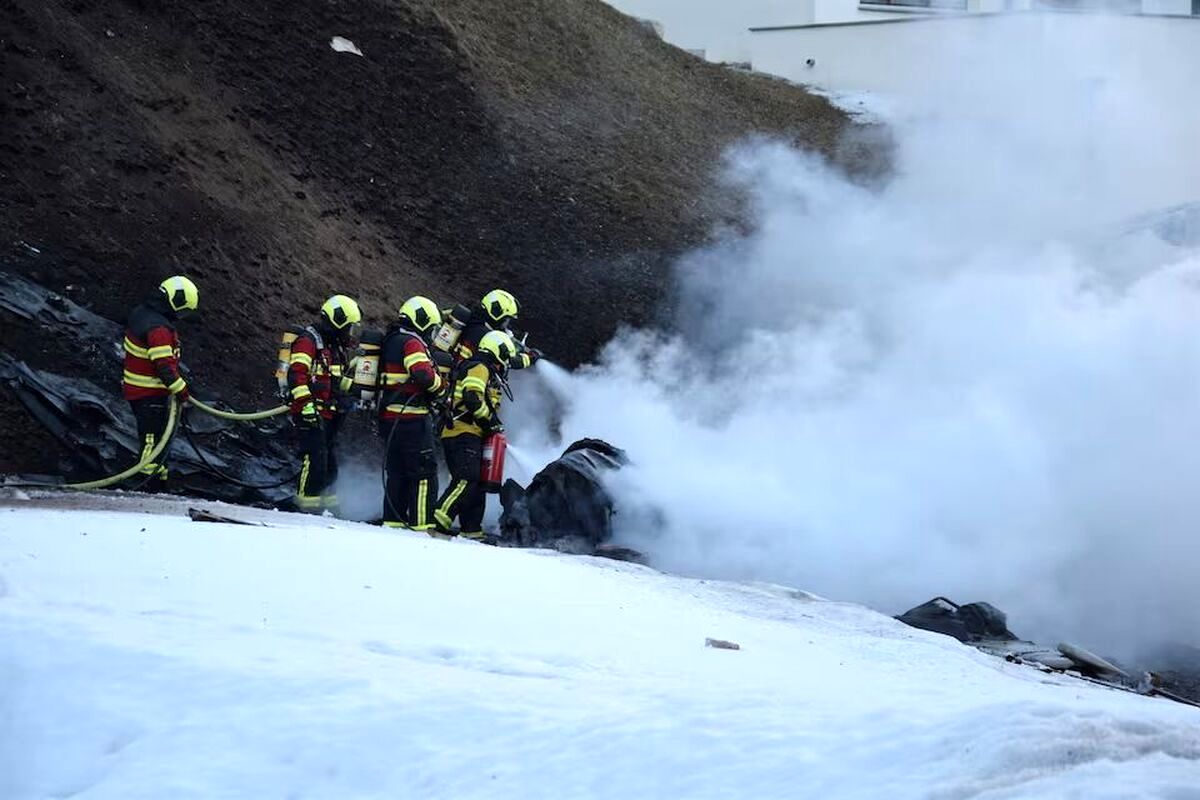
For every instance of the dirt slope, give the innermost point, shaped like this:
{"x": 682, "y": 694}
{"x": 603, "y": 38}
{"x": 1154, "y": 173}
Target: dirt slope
{"x": 554, "y": 147}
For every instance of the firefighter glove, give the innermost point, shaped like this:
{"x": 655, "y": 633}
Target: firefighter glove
{"x": 309, "y": 417}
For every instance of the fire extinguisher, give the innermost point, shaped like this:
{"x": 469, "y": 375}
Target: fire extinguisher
{"x": 492, "y": 473}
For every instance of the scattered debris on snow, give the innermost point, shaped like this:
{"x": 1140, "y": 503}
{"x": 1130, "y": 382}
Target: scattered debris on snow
{"x": 985, "y": 627}
{"x": 203, "y": 515}
{"x": 722, "y": 644}
{"x": 1088, "y": 659}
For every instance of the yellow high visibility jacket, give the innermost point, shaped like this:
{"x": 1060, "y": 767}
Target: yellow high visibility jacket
{"x": 476, "y": 400}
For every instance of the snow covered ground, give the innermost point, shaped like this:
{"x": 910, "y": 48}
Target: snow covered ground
{"x": 147, "y": 656}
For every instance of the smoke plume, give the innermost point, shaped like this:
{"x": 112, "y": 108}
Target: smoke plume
{"x": 974, "y": 381}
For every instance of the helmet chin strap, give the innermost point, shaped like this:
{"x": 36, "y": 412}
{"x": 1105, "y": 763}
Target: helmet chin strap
{"x": 328, "y": 331}
{"x": 163, "y": 303}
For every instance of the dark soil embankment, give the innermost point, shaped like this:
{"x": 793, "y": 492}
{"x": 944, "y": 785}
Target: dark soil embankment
{"x": 554, "y": 147}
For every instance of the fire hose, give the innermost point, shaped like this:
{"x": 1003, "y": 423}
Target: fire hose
{"x": 149, "y": 458}
{"x": 241, "y": 416}
{"x": 165, "y": 439}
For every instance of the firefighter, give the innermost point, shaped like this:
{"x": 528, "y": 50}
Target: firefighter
{"x": 410, "y": 384}
{"x": 152, "y": 372}
{"x": 495, "y": 312}
{"x": 476, "y": 391}
{"x": 318, "y": 378}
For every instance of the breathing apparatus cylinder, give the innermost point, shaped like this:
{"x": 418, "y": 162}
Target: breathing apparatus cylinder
{"x": 366, "y": 371}
{"x": 449, "y": 332}
{"x": 492, "y": 472}
{"x": 284, "y": 362}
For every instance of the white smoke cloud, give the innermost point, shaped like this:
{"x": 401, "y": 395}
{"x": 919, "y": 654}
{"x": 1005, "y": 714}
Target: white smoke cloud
{"x": 963, "y": 383}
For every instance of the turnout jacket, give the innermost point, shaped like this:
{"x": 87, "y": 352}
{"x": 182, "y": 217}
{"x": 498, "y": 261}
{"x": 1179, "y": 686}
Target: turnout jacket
{"x": 318, "y": 371}
{"x": 151, "y": 355}
{"x": 408, "y": 378}
{"x": 476, "y": 328}
{"x": 475, "y": 402}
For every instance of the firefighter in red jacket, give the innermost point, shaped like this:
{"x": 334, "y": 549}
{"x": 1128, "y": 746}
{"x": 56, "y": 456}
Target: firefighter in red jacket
{"x": 495, "y": 312}
{"x": 410, "y": 384}
{"x": 477, "y": 387}
{"x": 318, "y": 376}
{"x": 151, "y": 373}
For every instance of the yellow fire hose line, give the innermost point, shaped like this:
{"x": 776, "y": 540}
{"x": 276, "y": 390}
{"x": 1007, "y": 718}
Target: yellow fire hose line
{"x": 165, "y": 439}
{"x": 160, "y": 445}
{"x": 244, "y": 416}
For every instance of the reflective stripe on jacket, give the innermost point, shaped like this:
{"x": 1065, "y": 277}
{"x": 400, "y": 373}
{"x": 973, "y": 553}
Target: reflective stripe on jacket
{"x": 408, "y": 377}
{"x": 317, "y": 373}
{"x": 151, "y": 367}
{"x": 476, "y": 400}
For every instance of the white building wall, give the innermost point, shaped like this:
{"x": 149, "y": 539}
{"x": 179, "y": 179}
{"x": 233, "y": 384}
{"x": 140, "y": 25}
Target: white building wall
{"x": 882, "y": 56}
{"x": 1124, "y": 85}
{"x": 718, "y": 27}
{"x": 827, "y": 11}
{"x": 899, "y": 56}
{"x": 1181, "y": 7}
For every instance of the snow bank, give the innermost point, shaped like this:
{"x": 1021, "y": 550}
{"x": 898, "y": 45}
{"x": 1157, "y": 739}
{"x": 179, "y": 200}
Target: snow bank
{"x": 147, "y": 656}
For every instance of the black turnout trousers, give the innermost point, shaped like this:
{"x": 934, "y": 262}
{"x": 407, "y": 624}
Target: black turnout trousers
{"x": 464, "y": 497}
{"x": 318, "y": 467}
{"x": 410, "y": 463}
{"x": 151, "y": 416}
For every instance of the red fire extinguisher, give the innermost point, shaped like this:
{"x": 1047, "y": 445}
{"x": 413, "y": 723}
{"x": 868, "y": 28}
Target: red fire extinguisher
{"x": 492, "y": 474}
